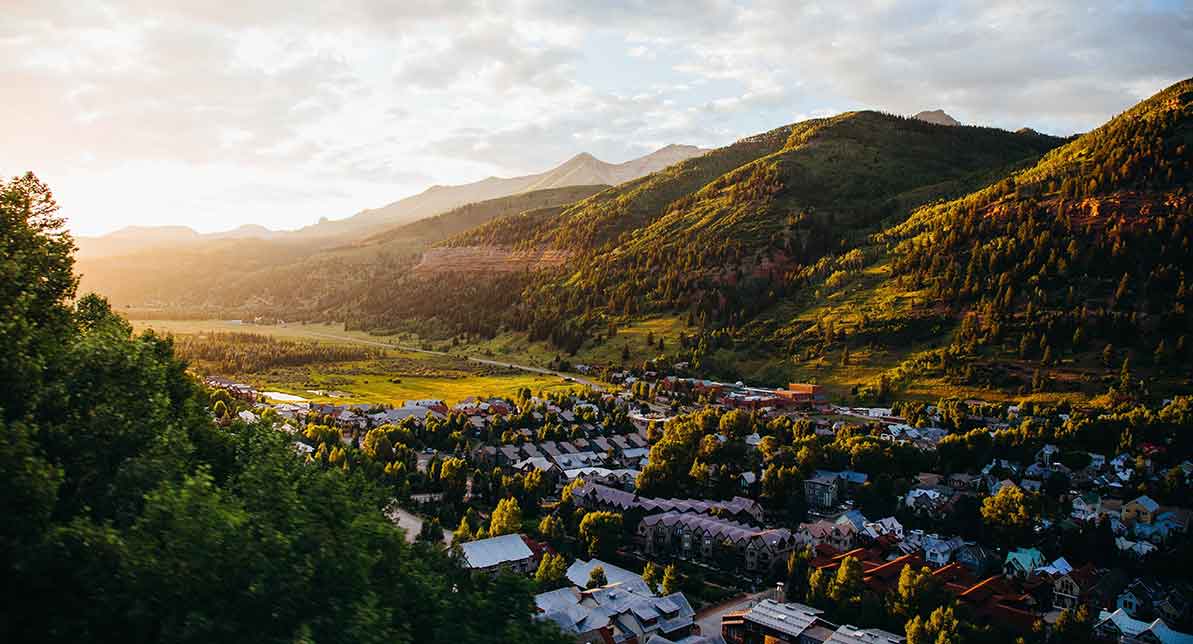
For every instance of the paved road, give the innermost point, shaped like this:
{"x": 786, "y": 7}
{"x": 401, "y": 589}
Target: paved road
{"x": 412, "y": 524}
{"x": 709, "y": 618}
{"x": 495, "y": 363}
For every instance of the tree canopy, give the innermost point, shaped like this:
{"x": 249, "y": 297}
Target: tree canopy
{"x": 133, "y": 516}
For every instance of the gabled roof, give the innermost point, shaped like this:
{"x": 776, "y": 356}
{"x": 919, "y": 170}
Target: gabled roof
{"x": 792, "y": 619}
{"x": 853, "y": 635}
{"x": 578, "y": 573}
{"x": 495, "y": 551}
{"x": 626, "y": 500}
{"x": 1025, "y": 558}
{"x": 1147, "y": 502}
{"x": 718, "y": 528}
{"x": 1128, "y": 626}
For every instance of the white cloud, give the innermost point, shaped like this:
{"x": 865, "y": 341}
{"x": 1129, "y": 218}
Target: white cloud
{"x": 277, "y": 112}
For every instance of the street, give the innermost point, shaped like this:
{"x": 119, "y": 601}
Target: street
{"x": 709, "y": 619}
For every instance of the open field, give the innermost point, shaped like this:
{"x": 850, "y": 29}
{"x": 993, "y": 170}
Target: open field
{"x": 402, "y": 374}
{"x": 379, "y": 388}
{"x": 294, "y": 330}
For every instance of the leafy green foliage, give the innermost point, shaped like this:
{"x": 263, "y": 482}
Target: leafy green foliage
{"x": 137, "y": 518}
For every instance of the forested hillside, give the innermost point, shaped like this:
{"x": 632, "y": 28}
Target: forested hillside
{"x": 132, "y": 516}
{"x": 723, "y": 236}
{"x": 874, "y": 252}
{"x": 1066, "y": 277}
{"x": 731, "y": 247}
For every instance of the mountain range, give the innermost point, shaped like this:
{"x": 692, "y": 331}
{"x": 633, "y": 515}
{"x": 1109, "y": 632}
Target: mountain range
{"x": 852, "y": 250}
{"x": 581, "y": 170}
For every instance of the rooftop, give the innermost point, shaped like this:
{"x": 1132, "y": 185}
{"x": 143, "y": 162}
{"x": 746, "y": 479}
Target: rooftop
{"x": 495, "y": 551}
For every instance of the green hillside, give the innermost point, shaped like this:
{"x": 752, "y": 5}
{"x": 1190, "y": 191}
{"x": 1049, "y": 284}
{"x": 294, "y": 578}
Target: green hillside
{"x": 753, "y": 236}
{"x": 878, "y": 254}
{"x": 1042, "y": 284}
{"x": 603, "y": 217}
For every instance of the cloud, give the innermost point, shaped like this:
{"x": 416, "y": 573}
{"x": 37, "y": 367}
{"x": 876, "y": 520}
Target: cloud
{"x": 327, "y": 108}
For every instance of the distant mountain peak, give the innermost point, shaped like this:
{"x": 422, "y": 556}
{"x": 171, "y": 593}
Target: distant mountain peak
{"x": 936, "y": 117}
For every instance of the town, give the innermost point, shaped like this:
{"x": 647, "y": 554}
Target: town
{"x": 670, "y": 509}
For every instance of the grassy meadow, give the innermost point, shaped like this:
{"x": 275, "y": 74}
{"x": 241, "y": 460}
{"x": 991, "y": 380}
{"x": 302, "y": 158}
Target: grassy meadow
{"x": 396, "y": 375}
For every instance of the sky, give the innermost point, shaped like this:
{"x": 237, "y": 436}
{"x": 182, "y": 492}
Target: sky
{"x": 217, "y": 113}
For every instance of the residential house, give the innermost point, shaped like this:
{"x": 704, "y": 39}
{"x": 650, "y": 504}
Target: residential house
{"x": 601, "y": 445}
{"x": 1086, "y": 507}
{"x": 839, "y": 536}
{"x": 485, "y": 455}
{"x": 926, "y": 502}
{"x": 748, "y": 482}
{"x": 634, "y": 456}
{"x": 507, "y": 552}
{"x": 979, "y": 559}
{"x": 594, "y": 496}
{"x": 939, "y": 552}
{"x": 617, "y": 614}
{"x": 551, "y": 472}
{"x": 1148, "y": 598}
{"x": 769, "y": 621}
{"x": 822, "y": 492}
{"x": 1141, "y": 509}
{"x": 1121, "y": 627}
{"x": 622, "y": 478}
{"x": 1021, "y": 562}
{"x": 963, "y": 482}
{"x": 727, "y": 544}
{"x": 848, "y": 634}
{"x": 508, "y": 455}
{"x": 580, "y": 570}
{"x": 1137, "y": 549}
{"x": 882, "y": 527}
{"x": 1071, "y": 589}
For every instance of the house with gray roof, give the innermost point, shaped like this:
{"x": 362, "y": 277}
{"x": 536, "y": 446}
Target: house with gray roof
{"x": 506, "y": 552}
{"x": 617, "y": 614}
{"x": 578, "y": 573}
{"x": 724, "y": 543}
{"x": 594, "y": 496}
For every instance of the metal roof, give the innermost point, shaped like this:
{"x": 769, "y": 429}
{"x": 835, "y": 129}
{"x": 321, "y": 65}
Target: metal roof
{"x": 495, "y": 551}
{"x": 791, "y": 619}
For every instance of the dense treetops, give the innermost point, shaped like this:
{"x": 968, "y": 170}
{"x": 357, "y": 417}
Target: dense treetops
{"x": 132, "y": 516}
